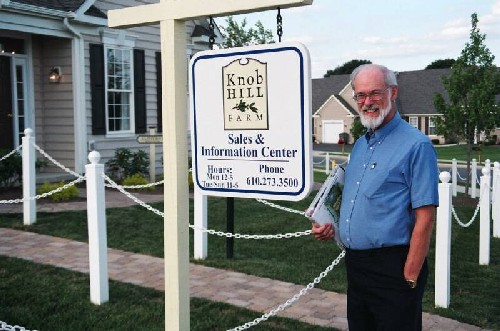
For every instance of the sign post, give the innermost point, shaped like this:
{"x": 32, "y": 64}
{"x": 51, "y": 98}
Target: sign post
{"x": 172, "y": 15}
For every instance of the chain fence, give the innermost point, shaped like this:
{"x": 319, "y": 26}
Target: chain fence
{"x": 290, "y": 301}
{"x": 57, "y": 163}
{"x": 6, "y": 156}
{"x": 6, "y": 327}
{"x": 209, "y": 231}
{"x": 46, "y": 194}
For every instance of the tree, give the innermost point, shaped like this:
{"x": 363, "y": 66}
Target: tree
{"x": 237, "y": 35}
{"x": 470, "y": 107}
{"x": 441, "y": 64}
{"x": 357, "y": 129}
{"x": 346, "y": 68}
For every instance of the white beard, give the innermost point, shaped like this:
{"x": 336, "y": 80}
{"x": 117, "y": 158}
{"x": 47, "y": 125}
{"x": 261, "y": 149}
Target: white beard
{"x": 373, "y": 123}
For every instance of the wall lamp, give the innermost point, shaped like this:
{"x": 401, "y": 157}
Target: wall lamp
{"x": 55, "y": 75}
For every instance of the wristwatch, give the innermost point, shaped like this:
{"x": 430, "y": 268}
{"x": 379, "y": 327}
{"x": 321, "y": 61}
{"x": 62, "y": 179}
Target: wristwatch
{"x": 411, "y": 283}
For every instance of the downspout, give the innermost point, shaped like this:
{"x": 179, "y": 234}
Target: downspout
{"x": 79, "y": 109}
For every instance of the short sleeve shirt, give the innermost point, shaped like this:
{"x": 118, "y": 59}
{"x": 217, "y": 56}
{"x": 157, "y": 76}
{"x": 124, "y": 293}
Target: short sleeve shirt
{"x": 390, "y": 173}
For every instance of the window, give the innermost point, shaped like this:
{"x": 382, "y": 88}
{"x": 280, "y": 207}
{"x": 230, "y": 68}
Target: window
{"x": 432, "y": 126}
{"x": 119, "y": 90}
{"x": 413, "y": 120}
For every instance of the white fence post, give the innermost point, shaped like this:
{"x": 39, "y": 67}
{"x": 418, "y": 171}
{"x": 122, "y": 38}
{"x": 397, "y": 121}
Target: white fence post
{"x": 495, "y": 201}
{"x": 473, "y": 179}
{"x": 484, "y": 218}
{"x": 200, "y": 221}
{"x": 96, "y": 218}
{"x": 327, "y": 163}
{"x": 29, "y": 177}
{"x": 443, "y": 243}
{"x": 454, "y": 170}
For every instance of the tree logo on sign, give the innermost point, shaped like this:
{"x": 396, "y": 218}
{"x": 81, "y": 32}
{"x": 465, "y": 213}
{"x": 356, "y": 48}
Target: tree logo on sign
{"x": 245, "y": 95}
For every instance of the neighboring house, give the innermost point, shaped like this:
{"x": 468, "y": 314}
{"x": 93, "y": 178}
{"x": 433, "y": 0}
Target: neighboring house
{"x": 334, "y": 110}
{"x": 109, "y": 84}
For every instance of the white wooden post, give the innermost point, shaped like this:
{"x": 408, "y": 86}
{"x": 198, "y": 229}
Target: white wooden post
{"x": 29, "y": 177}
{"x": 327, "y": 163}
{"x": 443, "y": 243}
{"x": 152, "y": 158}
{"x": 454, "y": 171}
{"x": 172, "y": 15}
{"x": 495, "y": 203}
{"x": 484, "y": 218}
{"x": 473, "y": 178}
{"x": 200, "y": 221}
{"x": 96, "y": 218}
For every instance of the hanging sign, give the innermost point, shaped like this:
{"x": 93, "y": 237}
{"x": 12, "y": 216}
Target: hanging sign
{"x": 251, "y": 121}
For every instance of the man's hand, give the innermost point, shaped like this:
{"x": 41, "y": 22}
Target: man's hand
{"x": 323, "y": 231}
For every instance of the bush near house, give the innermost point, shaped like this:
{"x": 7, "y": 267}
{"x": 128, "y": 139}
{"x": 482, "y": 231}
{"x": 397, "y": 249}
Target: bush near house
{"x": 137, "y": 179}
{"x": 65, "y": 195}
{"x": 127, "y": 163}
{"x": 10, "y": 169}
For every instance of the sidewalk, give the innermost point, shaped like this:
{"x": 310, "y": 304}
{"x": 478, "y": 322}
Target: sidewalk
{"x": 259, "y": 294}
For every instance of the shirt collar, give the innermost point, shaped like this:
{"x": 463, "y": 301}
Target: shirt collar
{"x": 381, "y": 133}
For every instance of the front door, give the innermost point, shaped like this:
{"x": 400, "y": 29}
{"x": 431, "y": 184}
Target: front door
{"x": 6, "y": 110}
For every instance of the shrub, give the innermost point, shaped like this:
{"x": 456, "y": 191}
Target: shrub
{"x": 137, "y": 179}
{"x": 435, "y": 141}
{"x": 65, "y": 195}
{"x": 11, "y": 169}
{"x": 127, "y": 163}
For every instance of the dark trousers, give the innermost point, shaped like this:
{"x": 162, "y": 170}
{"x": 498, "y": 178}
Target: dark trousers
{"x": 378, "y": 297}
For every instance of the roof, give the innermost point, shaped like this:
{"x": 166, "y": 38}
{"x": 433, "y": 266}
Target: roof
{"x": 63, "y": 5}
{"x": 324, "y": 88}
{"x": 416, "y": 90}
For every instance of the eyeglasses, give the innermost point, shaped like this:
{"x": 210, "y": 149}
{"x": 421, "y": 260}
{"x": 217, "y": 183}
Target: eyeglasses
{"x": 375, "y": 95}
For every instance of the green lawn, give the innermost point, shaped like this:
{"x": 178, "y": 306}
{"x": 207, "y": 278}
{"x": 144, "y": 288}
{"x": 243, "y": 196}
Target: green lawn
{"x": 48, "y": 298}
{"x": 459, "y": 152}
{"x": 474, "y": 292}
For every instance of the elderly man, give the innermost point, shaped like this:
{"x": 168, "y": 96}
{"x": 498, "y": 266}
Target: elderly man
{"x": 387, "y": 212}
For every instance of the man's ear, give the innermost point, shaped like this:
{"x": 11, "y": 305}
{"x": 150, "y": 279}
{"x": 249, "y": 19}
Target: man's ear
{"x": 394, "y": 93}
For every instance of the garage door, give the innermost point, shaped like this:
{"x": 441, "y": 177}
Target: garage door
{"x": 331, "y": 131}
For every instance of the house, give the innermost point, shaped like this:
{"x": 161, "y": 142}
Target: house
{"x": 77, "y": 83}
{"x": 334, "y": 109}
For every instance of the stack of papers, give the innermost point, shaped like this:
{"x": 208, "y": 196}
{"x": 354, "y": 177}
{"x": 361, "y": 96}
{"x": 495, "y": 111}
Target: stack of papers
{"x": 325, "y": 208}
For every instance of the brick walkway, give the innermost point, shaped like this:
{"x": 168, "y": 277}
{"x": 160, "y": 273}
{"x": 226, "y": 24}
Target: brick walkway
{"x": 259, "y": 294}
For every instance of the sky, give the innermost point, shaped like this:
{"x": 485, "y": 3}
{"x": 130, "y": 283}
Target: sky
{"x": 403, "y": 35}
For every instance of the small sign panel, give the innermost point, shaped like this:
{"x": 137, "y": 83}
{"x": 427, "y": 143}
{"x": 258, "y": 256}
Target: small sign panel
{"x": 251, "y": 121}
{"x": 150, "y": 139}
{"x": 245, "y": 95}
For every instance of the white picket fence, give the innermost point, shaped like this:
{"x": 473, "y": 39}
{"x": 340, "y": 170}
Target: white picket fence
{"x": 489, "y": 204}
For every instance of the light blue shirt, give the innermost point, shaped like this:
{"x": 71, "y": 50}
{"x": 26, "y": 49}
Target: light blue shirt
{"x": 389, "y": 175}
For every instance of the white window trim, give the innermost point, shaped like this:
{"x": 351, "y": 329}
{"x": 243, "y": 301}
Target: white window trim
{"x": 131, "y": 131}
{"x": 415, "y": 118}
{"x": 121, "y": 39}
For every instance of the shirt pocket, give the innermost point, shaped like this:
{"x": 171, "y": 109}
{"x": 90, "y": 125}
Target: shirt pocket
{"x": 382, "y": 183}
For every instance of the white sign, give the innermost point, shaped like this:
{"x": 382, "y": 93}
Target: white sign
{"x": 251, "y": 121}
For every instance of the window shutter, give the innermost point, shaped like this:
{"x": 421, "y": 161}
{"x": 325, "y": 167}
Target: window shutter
{"x": 140, "y": 91}
{"x": 419, "y": 123}
{"x": 427, "y": 125}
{"x": 97, "y": 88}
{"x": 158, "y": 92}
